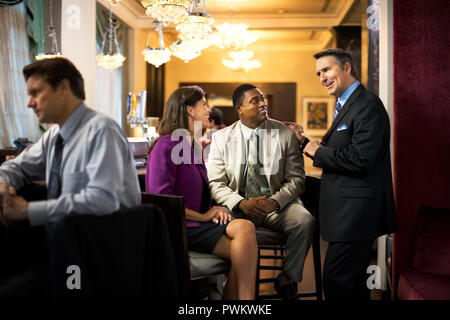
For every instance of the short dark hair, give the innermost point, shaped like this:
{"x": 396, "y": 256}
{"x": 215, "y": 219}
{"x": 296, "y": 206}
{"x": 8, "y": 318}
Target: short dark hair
{"x": 54, "y": 71}
{"x": 239, "y": 92}
{"x": 216, "y": 115}
{"x": 341, "y": 56}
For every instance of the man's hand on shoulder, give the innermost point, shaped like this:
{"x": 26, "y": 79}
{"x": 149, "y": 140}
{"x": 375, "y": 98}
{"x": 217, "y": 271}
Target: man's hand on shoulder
{"x": 297, "y": 129}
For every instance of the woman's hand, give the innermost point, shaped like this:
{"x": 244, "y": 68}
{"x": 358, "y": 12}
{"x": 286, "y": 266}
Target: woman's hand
{"x": 218, "y": 215}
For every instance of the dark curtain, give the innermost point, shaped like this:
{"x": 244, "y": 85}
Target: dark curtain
{"x": 421, "y": 117}
{"x": 155, "y": 90}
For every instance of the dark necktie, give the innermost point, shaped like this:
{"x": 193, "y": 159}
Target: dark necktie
{"x": 54, "y": 181}
{"x": 255, "y": 178}
{"x": 336, "y": 111}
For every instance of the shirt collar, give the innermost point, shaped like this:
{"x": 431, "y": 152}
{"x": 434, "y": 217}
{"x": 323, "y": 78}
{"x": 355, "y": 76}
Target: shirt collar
{"x": 247, "y": 132}
{"x": 68, "y": 128}
{"x": 348, "y": 92}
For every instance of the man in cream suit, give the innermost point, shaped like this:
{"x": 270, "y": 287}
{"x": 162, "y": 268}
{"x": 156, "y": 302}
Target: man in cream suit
{"x": 256, "y": 171}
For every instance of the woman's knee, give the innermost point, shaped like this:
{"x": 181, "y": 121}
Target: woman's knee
{"x": 242, "y": 227}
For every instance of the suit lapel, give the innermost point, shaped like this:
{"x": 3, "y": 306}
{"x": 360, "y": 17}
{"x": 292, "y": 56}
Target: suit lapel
{"x": 236, "y": 152}
{"x": 343, "y": 111}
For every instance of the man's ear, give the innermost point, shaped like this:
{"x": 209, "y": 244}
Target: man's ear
{"x": 238, "y": 108}
{"x": 348, "y": 67}
{"x": 64, "y": 85}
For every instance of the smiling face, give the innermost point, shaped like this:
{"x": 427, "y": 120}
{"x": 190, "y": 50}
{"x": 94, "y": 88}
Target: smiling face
{"x": 332, "y": 77}
{"x": 253, "y": 109}
{"x": 47, "y": 103}
{"x": 200, "y": 112}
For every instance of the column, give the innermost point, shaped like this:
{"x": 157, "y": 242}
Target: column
{"x": 78, "y": 41}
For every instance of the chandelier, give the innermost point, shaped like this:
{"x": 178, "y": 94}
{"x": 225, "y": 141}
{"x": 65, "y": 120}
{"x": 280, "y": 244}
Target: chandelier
{"x": 166, "y": 10}
{"x": 196, "y": 27}
{"x": 185, "y": 50}
{"x": 241, "y": 60}
{"x": 111, "y": 60}
{"x": 233, "y": 36}
{"x": 51, "y": 32}
{"x": 160, "y": 55}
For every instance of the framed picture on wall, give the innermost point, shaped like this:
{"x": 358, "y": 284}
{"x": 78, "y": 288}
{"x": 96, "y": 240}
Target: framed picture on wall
{"x": 317, "y": 115}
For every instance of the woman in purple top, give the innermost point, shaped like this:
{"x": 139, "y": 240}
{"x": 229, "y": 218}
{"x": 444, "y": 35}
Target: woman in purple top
{"x": 176, "y": 167}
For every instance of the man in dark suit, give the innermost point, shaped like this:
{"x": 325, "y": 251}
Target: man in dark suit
{"x": 356, "y": 196}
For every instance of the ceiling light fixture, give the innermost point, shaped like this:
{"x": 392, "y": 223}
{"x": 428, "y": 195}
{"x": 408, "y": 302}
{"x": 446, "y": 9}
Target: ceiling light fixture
{"x": 166, "y": 10}
{"x": 51, "y": 33}
{"x": 196, "y": 27}
{"x": 159, "y": 55}
{"x": 241, "y": 61}
{"x": 234, "y": 36}
{"x": 185, "y": 50}
{"x": 112, "y": 60}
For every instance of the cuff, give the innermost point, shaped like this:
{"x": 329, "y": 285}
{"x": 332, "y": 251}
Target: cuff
{"x": 278, "y": 205}
{"x": 233, "y": 201}
{"x": 303, "y": 145}
{"x": 281, "y": 200}
{"x": 37, "y": 213}
{"x": 317, "y": 161}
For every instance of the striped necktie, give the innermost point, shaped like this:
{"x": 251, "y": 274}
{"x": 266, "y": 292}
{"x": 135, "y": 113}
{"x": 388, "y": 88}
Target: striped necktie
{"x": 336, "y": 111}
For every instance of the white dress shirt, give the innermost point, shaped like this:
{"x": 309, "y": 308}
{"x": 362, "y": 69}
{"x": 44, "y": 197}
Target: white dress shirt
{"x": 98, "y": 175}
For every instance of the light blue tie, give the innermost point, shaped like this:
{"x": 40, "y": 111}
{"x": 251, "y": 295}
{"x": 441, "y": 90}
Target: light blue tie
{"x": 336, "y": 111}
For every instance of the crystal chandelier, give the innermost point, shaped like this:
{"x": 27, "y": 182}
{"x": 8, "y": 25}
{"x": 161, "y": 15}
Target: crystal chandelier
{"x": 185, "y": 50}
{"x": 51, "y": 32}
{"x": 160, "y": 55}
{"x": 111, "y": 60}
{"x": 241, "y": 60}
{"x": 233, "y": 36}
{"x": 197, "y": 27}
{"x": 166, "y": 10}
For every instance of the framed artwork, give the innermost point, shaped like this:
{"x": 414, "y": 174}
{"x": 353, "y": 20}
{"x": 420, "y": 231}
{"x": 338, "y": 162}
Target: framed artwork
{"x": 317, "y": 115}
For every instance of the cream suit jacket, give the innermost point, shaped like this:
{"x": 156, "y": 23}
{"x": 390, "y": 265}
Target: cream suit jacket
{"x": 282, "y": 162}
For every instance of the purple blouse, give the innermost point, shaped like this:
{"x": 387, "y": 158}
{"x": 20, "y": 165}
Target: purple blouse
{"x": 165, "y": 176}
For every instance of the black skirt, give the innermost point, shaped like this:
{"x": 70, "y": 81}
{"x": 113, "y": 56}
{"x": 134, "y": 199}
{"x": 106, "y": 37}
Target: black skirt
{"x": 205, "y": 237}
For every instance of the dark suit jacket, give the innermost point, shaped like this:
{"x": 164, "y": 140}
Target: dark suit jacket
{"x": 125, "y": 255}
{"x": 356, "y": 197}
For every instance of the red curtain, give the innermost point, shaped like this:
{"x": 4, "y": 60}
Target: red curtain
{"x": 421, "y": 115}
